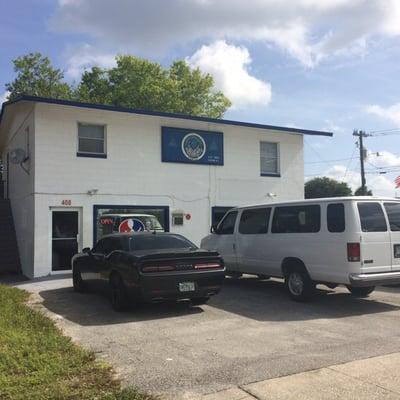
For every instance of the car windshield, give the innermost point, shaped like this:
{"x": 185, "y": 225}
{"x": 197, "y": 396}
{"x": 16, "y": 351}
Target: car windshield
{"x": 159, "y": 242}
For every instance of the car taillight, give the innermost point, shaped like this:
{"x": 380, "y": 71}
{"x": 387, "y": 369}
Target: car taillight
{"x": 207, "y": 266}
{"x": 353, "y": 252}
{"x": 159, "y": 268}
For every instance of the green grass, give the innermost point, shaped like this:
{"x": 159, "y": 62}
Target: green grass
{"x": 38, "y": 362}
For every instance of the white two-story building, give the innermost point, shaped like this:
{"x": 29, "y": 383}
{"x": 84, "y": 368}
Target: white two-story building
{"x": 76, "y": 171}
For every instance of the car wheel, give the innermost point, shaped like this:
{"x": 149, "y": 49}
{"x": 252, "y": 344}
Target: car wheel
{"x": 77, "y": 281}
{"x": 361, "y": 291}
{"x": 198, "y": 301}
{"x": 118, "y": 295}
{"x": 262, "y": 276}
{"x": 234, "y": 275}
{"x": 299, "y": 285}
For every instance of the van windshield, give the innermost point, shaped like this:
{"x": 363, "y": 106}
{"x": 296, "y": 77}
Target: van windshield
{"x": 393, "y": 212}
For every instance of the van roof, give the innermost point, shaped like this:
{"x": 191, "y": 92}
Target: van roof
{"x": 322, "y": 200}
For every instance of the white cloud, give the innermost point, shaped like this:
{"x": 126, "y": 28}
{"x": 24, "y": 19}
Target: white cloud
{"x": 379, "y": 184}
{"x": 229, "y": 65}
{"x": 331, "y": 126}
{"x": 4, "y": 97}
{"x": 85, "y": 56}
{"x": 308, "y": 30}
{"x": 391, "y": 113}
{"x": 384, "y": 159}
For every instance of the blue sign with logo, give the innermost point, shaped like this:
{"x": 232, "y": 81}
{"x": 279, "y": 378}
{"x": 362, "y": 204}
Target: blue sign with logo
{"x": 192, "y": 146}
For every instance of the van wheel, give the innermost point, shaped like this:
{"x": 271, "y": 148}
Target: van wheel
{"x": 262, "y": 276}
{"x": 118, "y": 295}
{"x": 360, "y": 291}
{"x": 299, "y": 285}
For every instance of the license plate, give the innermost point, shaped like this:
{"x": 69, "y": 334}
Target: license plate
{"x": 186, "y": 286}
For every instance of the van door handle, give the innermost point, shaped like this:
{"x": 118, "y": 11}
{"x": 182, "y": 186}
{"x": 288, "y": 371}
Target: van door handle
{"x": 234, "y": 246}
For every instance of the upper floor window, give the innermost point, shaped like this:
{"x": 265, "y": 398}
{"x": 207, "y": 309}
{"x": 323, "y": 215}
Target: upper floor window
{"x": 269, "y": 159}
{"x": 91, "y": 140}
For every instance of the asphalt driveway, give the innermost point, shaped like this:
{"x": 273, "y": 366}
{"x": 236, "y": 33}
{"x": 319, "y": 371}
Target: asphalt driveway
{"x": 250, "y": 332}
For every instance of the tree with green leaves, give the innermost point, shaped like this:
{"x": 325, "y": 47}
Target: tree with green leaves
{"x": 325, "y": 187}
{"x": 37, "y": 77}
{"x": 142, "y": 84}
{"x": 133, "y": 83}
{"x": 361, "y": 192}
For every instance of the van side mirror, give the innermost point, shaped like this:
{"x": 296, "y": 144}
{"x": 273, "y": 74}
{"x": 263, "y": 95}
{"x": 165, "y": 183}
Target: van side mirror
{"x": 86, "y": 250}
{"x": 214, "y": 229}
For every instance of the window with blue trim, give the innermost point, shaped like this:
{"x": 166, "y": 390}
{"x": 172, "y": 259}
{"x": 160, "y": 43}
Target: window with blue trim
{"x": 269, "y": 159}
{"x": 91, "y": 140}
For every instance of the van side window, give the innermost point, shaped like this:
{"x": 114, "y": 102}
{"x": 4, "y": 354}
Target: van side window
{"x": 297, "y": 219}
{"x": 371, "y": 217}
{"x": 254, "y": 221}
{"x": 227, "y": 225}
{"x": 335, "y": 217}
{"x": 393, "y": 212}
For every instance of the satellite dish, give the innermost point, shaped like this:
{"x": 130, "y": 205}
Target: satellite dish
{"x": 17, "y": 156}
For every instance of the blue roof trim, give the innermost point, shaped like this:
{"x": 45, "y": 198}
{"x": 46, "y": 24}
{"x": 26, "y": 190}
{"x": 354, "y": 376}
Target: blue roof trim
{"x": 159, "y": 114}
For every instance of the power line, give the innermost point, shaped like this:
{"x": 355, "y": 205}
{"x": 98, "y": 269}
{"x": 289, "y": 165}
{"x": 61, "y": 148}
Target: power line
{"x": 349, "y": 163}
{"x": 385, "y": 131}
{"x": 329, "y": 161}
{"x": 315, "y": 151}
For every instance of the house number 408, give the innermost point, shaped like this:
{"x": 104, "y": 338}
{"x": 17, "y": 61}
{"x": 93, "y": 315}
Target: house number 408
{"x": 66, "y": 202}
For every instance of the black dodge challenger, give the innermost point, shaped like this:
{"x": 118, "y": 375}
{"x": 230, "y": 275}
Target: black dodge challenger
{"x": 148, "y": 267}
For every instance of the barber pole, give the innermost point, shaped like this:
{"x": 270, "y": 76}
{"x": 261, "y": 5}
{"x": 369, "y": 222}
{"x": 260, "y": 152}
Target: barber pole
{"x": 397, "y": 182}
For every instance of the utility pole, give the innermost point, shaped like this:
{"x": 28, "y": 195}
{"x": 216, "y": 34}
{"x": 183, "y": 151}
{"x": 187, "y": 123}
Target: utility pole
{"x": 363, "y": 153}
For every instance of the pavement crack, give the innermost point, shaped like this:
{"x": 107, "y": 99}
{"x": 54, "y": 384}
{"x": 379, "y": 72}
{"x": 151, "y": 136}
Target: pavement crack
{"x": 362, "y": 380}
{"x": 249, "y": 393}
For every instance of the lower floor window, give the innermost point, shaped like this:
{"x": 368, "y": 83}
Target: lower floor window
{"x": 114, "y": 218}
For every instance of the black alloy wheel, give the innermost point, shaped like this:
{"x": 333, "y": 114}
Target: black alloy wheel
{"x": 118, "y": 295}
{"x": 77, "y": 282}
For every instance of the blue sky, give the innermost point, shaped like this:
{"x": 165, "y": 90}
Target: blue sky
{"x": 315, "y": 64}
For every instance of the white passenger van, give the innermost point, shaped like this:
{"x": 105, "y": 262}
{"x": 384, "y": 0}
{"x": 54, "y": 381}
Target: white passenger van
{"x": 354, "y": 241}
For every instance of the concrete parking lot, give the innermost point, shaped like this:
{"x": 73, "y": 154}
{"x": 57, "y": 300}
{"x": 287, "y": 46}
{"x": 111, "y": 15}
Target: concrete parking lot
{"x": 250, "y": 332}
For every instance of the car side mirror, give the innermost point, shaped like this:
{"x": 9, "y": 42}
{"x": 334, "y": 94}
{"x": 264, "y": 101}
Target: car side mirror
{"x": 86, "y": 250}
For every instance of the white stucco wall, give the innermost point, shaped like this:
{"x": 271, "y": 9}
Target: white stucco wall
{"x": 133, "y": 172}
{"x": 21, "y": 183}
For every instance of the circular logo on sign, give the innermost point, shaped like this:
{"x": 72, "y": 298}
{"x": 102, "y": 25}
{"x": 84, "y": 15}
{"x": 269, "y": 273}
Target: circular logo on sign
{"x": 131, "y": 225}
{"x": 193, "y": 146}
